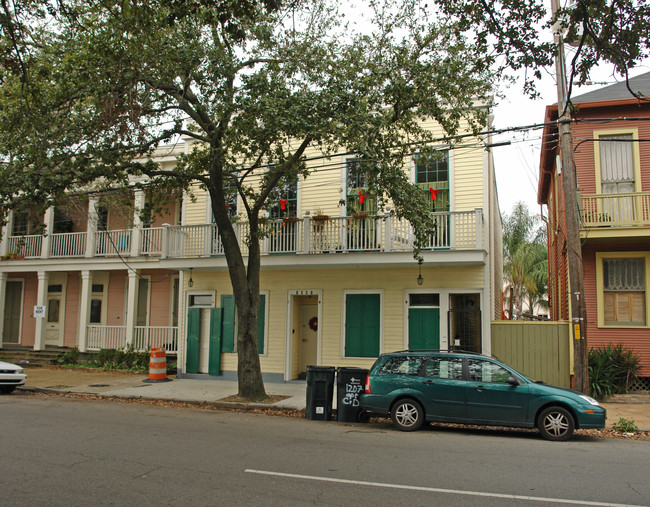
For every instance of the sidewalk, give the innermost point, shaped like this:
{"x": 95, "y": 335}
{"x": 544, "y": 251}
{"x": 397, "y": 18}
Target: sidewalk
{"x": 133, "y": 386}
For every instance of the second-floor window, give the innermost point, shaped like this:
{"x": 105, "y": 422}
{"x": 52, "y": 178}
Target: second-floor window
{"x": 359, "y": 198}
{"x": 432, "y": 173}
{"x": 616, "y": 164}
{"x": 284, "y": 201}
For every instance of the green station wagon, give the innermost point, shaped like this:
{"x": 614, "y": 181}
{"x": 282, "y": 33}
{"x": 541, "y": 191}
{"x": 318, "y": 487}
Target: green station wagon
{"x": 456, "y": 387}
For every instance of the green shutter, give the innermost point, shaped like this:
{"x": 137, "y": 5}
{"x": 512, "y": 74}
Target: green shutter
{"x": 260, "y": 325}
{"x": 362, "y": 322}
{"x": 193, "y": 330}
{"x": 214, "y": 363}
{"x": 228, "y": 323}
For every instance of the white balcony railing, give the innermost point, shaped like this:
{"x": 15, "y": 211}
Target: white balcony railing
{"x": 616, "y": 210}
{"x": 113, "y": 243}
{"x": 26, "y": 246}
{"x": 151, "y": 241}
{"x": 459, "y": 230}
{"x": 70, "y": 244}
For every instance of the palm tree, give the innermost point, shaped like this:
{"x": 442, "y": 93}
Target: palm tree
{"x": 525, "y": 259}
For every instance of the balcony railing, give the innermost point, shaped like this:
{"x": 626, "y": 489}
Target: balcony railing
{"x": 29, "y": 247}
{"x": 616, "y": 210}
{"x": 459, "y": 230}
{"x": 144, "y": 337}
{"x": 113, "y": 243}
{"x": 71, "y": 244}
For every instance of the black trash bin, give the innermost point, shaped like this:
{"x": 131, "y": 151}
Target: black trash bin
{"x": 350, "y": 383}
{"x": 320, "y": 392}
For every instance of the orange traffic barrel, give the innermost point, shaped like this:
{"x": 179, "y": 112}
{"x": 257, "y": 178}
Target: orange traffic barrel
{"x": 158, "y": 366}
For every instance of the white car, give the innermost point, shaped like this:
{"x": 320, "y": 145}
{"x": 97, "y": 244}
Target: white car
{"x": 11, "y": 376}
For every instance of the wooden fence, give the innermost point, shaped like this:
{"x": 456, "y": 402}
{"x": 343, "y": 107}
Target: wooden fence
{"x": 539, "y": 350}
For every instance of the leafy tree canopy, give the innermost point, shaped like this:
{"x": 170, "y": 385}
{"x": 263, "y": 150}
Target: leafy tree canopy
{"x": 516, "y": 34}
{"x": 90, "y": 88}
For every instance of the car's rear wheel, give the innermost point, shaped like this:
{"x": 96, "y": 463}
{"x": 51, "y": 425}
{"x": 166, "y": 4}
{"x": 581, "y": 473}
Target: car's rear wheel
{"x": 555, "y": 423}
{"x": 7, "y": 389}
{"x": 407, "y": 415}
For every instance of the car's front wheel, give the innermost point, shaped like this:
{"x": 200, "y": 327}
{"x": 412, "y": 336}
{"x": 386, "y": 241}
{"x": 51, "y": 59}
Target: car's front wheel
{"x": 7, "y": 389}
{"x": 407, "y": 415}
{"x": 555, "y": 423}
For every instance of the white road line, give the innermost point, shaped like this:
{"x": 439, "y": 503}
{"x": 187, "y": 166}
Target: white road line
{"x": 441, "y": 490}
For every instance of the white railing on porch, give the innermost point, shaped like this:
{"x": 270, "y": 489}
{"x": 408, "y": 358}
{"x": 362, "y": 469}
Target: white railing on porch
{"x": 615, "y": 210}
{"x": 113, "y": 243}
{"x": 106, "y": 337}
{"x": 27, "y": 246}
{"x": 144, "y": 337}
{"x": 455, "y": 230}
{"x": 149, "y": 337}
{"x": 151, "y": 239}
{"x": 68, "y": 244}
{"x": 191, "y": 241}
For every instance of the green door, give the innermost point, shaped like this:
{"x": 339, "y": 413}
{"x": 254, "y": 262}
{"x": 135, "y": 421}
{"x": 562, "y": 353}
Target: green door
{"x": 214, "y": 360}
{"x": 193, "y": 332}
{"x": 424, "y": 328}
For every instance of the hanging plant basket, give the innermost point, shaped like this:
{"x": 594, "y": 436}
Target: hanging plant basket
{"x": 361, "y": 214}
{"x": 291, "y": 220}
{"x": 320, "y": 218}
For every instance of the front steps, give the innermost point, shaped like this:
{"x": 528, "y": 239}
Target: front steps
{"x": 25, "y": 356}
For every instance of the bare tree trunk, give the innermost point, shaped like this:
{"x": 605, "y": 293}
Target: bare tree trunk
{"x": 245, "y": 284}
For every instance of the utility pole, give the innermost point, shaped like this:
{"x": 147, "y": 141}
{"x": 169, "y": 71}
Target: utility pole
{"x": 574, "y": 248}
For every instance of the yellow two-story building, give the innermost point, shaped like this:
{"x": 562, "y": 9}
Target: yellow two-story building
{"x": 339, "y": 284}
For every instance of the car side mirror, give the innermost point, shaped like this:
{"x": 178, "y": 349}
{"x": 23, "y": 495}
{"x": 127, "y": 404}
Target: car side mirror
{"x": 513, "y": 381}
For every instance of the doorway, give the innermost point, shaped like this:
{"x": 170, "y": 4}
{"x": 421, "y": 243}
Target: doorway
{"x": 303, "y": 333}
{"x": 55, "y": 325}
{"x": 13, "y": 311}
{"x": 308, "y": 336}
{"x": 423, "y": 321}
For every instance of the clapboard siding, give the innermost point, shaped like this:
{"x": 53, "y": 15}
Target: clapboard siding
{"x": 333, "y": 283}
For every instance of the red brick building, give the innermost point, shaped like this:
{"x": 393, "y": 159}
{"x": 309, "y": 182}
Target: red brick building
{"x": 611, "y": 144}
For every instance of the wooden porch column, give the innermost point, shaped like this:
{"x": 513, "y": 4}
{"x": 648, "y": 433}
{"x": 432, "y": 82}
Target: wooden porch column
{"x": 131, "y": 305}
{"x": 91, "y": 227}
{"x": 48, "y": 222}
{"x": 136, "y": 232}
{"x": 3, "y": 292}
{"x": 306, "y": 234}
{"x": 6, "y": 232}
{"x": 84, "y": 310}
{"x": 388, "y": 239}
{"x": 479, "y": 227}
{"x": 41, "y": 299}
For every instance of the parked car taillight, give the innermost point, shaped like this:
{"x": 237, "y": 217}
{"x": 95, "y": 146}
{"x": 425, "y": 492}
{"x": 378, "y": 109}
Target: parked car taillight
{"x": 367, "y": 390}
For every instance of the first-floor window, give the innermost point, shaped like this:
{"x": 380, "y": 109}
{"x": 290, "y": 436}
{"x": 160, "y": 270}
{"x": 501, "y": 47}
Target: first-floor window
{"x": 624, "y": 291}
{"x": 362, "y": 325}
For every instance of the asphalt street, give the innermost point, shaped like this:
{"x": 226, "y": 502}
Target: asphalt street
{"x": 59, "y": 451}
